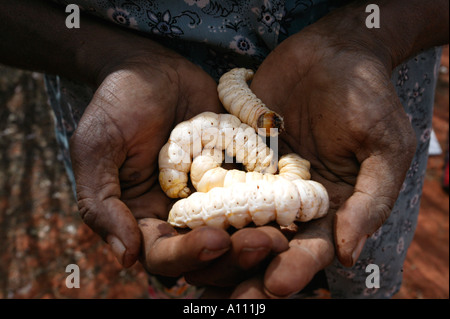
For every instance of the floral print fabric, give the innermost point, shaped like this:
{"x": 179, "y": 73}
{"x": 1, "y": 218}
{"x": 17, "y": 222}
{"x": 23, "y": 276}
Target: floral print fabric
{"x": 220, "y": 35}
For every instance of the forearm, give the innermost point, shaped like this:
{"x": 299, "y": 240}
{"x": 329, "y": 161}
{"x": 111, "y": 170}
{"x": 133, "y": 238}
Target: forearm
{"x": 409, "y": 26}
{"x": 423, "y": 24}
{"x": 406, "y": 27}
{"x": 34, "y": 36}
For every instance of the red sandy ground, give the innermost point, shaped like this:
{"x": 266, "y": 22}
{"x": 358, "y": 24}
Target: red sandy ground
{"x": 41, "y": 232}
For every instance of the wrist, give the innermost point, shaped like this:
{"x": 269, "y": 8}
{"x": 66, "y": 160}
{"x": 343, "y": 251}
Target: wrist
{"x": 111, "y": 48}
{"x": 34, "y": 36}
{"x": 406, "y": 28}
{"x": 409, "y": 26}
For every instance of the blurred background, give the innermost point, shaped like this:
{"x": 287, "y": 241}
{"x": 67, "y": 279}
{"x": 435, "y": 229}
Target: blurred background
{"x": 41, "y": 232}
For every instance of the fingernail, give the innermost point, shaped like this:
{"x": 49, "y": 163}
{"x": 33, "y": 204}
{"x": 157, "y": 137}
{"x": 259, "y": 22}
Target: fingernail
{"x": 207, "y": 254}
{"x": 117, "y": 247}
{"x": 357, "y": 251}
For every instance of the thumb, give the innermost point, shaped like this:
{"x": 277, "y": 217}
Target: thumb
{"x": 376, "y": 190}
{"x": 385, "y": 155}
{"x": 97, "y": 153}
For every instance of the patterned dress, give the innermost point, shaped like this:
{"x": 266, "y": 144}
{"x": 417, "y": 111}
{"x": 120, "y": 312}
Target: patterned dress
{"x": 220, "y": 35}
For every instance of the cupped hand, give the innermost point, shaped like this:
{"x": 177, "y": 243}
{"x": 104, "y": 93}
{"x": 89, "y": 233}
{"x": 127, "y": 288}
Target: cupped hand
{"x": 343, "y": 115}
{"x": 116, "y": 144}
{"x": 115, "y": 159}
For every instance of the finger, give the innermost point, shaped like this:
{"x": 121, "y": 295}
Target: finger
{"x": 310, "y": 251}
{"x": 365, "y": 211}
{"x": 95, "y": 153}
{"x": 167, "y": 253}
{"x": 250, "y": 246}
{"x": 377, "y": 187}
{"x": 279, "y": 240}
{"x": 114, "y": 222}
{"x": 252, "y": 288}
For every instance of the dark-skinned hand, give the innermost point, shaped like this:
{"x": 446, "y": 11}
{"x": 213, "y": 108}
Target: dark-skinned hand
{"x": 115, "y": 159}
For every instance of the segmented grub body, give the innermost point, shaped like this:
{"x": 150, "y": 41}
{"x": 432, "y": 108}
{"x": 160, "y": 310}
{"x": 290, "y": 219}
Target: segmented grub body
{"x": 234, "y": 197}
{"x": 207, "y": 173}
{"x": 239, "y": 100}
{"x": 221, "y": 132}
{"x": 258, "y": 201}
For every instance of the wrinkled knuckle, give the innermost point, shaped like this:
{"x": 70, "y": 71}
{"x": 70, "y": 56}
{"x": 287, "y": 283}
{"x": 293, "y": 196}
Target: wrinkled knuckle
{"x": 81, "y": 144}
{"x": 88, "y": 212}
{"x": 382, "y": 211}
